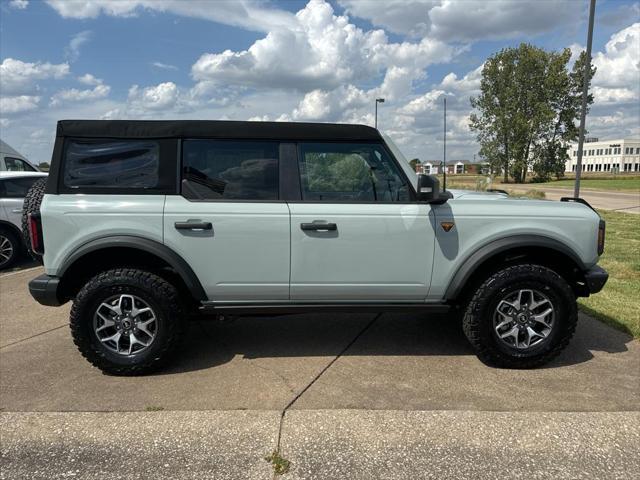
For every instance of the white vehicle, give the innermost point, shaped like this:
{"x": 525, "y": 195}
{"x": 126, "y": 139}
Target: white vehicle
{"x": 12, "y": 161}
{"x": 144, "y": 224}
{"x": 13, "y": 188}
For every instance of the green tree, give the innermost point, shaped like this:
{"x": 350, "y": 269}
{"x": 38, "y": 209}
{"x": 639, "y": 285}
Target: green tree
{"x": 414, "y": 162}
{"x": 527, "y": 109}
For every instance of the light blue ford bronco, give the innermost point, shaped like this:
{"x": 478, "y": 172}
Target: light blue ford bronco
{"x": 144, "y": 224}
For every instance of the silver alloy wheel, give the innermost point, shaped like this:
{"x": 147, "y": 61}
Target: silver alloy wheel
{"x": 6, "y": 250}
{"x": 125, "y": 324}
{"x": 524, "y": 319}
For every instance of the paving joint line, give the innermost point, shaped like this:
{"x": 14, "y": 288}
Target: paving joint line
{"x": 33, "y": 336}
{"x": 317, "y": 376}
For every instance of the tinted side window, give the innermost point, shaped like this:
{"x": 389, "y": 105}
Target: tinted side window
{"x": 111, "y": 164}
{"x": 341, "y": 172}
{"x": 17, "y": 165}
{"x": 229, "y": 170}
{"x": 16, "y": 187}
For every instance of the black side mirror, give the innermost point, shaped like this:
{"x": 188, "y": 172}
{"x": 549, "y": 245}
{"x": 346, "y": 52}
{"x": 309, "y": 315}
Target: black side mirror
{"x": 428, "y": 189}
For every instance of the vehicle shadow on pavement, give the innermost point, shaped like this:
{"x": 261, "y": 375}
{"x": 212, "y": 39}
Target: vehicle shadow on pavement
{"x": 213, "y": 343}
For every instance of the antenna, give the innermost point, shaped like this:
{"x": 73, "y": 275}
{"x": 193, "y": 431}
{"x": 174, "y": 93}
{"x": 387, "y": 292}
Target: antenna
{"x": 444, "y": 154}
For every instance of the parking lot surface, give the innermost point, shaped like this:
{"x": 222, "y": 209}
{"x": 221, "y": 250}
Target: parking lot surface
{"x": 407, "y": 391}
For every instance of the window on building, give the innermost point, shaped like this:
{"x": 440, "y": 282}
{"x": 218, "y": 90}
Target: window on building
{"x": 573, "y": 168}
{"x": 229, "y": 170}
{"x": 638, "y": 151}
{"x": 636, "y": 167}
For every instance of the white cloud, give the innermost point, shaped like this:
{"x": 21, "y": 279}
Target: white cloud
{"x": 159, "y": 97}
{"x": 89, "y": 79}
{"x": 76, "y": 95}
{"x": 4, "y": 122}
{"x": 19, "y": 77}
{"x": 250, "y": 14}
{"x": 18, "y": 104}
{"x": 164, "y": 66}
{"x": 72, "y": 51}
{"x": 619, "y": 64}
{"x": 319, "y": 50}
{"x": 464, "y": 20}
{"x": 19, "y": 4}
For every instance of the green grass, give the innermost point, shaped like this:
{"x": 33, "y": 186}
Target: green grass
{"x": 620, "y": 184}
{"x": 618, "y": 303}
{"x": 280, "y": 464}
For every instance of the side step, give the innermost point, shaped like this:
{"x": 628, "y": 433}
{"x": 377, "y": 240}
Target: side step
{"x": 285, "y": 308}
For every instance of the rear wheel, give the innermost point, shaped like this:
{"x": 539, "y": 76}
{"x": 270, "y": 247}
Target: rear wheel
{"x": 10, "y": 248}
{"x": 521, "y": 317}
{"x": 127, "y": 321}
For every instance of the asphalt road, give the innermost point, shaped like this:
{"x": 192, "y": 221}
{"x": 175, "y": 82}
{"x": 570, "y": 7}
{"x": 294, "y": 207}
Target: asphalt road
{"x": 407, "y": 399}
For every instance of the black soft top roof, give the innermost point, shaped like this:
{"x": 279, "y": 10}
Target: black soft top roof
{"x": 214, "y": 129}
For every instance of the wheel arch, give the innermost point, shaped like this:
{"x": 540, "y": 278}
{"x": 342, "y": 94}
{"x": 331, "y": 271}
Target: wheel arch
{"x": 539, "y": 249}
{"x": 126, "y": 251}
{"x": 11, "y": 227}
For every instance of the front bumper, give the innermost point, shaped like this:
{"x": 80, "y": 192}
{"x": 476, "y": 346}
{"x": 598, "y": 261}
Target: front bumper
{"x": 595, "y": 278}
{"x": 45, "y": 290}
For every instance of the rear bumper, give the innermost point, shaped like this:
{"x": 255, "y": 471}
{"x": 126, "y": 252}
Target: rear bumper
{"x": 595, "y": 278}
{"x": 44, "y": 289}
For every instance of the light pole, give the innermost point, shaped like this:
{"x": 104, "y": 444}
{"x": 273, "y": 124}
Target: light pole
{"x": 585, "y": 91}
{"x": 378, "y": 100}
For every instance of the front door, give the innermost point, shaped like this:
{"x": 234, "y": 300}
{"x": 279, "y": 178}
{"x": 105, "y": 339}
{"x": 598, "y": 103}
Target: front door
{"x": 229, "y": 223}
{"x": 356, "y": 235}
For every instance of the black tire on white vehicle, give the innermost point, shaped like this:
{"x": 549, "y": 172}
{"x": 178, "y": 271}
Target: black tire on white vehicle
{"x": 521, "y": 316}
{"x": 127, "y": 321}
{"x": 32, "y": 201}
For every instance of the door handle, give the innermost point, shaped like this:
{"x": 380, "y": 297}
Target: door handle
{"x": 16, "y": 210}
{"x": 193, "y": 226}
{"x": 318, "y": 227}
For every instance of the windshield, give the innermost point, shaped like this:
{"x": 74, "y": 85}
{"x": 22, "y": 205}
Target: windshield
{"x": 402, "y": 160}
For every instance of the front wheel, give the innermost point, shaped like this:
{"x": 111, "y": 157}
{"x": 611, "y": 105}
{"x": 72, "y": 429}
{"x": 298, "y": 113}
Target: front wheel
{"x": 521, "y": 317}
{"x": 127, "y": 321}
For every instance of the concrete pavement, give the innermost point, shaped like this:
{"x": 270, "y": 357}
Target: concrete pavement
{"x": 320, "y": 444}
{"x": 408, "y": 399}
{"x": 628, "y": 202}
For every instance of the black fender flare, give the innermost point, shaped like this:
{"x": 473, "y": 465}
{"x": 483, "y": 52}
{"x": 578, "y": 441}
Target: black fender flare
{"x": 482, "y": 254}
{"x": 174, "y": 260}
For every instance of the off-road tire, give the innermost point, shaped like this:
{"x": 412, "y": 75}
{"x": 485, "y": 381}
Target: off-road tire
{"x": 7, "y": 235}
{"x": 32, "y": 201}
{"x": 157, "y": 292}
{"x": 478, "y": 326}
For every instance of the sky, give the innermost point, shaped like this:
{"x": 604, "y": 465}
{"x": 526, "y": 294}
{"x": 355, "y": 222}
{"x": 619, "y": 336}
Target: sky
{"x": 291, "y": 60}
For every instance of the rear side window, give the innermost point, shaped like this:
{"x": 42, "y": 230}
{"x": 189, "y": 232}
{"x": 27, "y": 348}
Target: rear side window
{"x": 120, "y": 164}
{"x": 229, "y": 170}
{"x": 17, "y": 165}
{"x": 16, "y": 187}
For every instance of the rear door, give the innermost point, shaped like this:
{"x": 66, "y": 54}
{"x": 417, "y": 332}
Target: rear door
{"x": 229, "y": 222}
{"x": 12, "y": 193}
{"x": 357, "y": 235}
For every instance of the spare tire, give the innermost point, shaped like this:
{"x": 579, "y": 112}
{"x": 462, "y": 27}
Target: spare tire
{"x": 32, "y": 201}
